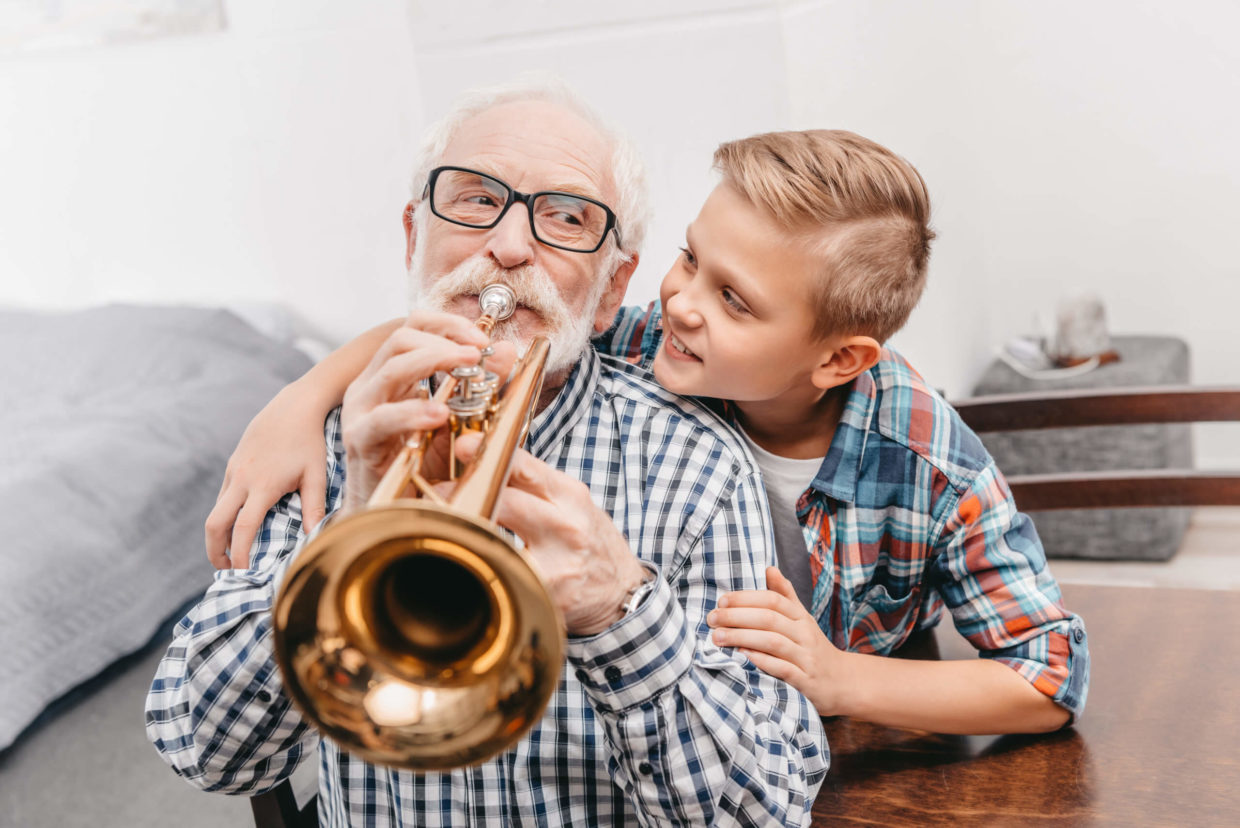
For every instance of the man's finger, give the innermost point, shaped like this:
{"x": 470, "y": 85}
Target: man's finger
{"x": 531, "y": 475}
{"x": 448, "y": 325}
{"x": 406, "y": 340}
{"x": 401, "y": 372}
{"x": 531, "y": 517}
{"x": 502, "y": 361}
{"x": 394, "y": 420}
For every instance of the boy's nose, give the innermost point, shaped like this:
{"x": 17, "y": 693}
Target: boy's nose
{"x": 510, "y": 242}
{"x": 679, "y": 308}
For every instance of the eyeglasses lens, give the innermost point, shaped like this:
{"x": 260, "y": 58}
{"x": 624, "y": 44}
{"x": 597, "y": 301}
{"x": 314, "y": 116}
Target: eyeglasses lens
{"x": 560, "y": 219}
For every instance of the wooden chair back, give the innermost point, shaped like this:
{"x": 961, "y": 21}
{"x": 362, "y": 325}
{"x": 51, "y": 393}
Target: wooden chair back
{"x": 1122, "y": 406}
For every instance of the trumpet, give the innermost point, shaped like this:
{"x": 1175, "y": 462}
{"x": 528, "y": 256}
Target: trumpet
{"x": 413, "y": 632}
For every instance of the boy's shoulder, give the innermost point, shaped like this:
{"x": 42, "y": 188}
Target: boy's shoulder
{"x": 635, "y": 334}
{"x": 908, "y": 410}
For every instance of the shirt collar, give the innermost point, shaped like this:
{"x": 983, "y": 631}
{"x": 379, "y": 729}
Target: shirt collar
{"x": 555, "y": 421}
{"x": 840, "y": 469}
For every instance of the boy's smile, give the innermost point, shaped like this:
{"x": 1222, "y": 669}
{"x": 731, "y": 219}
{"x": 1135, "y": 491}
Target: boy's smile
{"x": 736, "y": 308}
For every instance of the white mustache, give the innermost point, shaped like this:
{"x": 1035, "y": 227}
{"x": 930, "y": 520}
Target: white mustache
{"x": 533, "y": 288}
{"x": 568, "y": 332}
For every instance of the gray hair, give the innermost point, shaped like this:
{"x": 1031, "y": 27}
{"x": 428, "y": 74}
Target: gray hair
{"x": 627, "y": 170}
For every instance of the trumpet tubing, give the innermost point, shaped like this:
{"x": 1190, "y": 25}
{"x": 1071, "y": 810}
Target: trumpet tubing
{"x": 412, "y": 632}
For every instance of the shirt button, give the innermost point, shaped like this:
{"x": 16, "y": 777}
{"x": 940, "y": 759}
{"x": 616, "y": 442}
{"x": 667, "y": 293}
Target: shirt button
{"x": 583, "y": 676}
{"x": 612, "y": 674}
{"x": 263, "y": 696}
{"x": 1079, "y": 635}
{"x": 645, "y": 768}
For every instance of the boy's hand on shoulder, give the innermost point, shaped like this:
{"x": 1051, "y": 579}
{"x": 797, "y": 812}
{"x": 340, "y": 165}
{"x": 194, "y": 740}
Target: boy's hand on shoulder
{"x": 775, "y": 632}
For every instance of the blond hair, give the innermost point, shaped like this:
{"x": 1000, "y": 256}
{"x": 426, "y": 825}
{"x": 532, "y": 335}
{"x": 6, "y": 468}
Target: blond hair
{"x": 863, "y": 209}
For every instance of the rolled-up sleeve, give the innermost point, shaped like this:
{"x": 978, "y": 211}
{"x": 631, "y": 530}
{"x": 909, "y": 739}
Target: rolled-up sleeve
{"x": 992, "y": 573}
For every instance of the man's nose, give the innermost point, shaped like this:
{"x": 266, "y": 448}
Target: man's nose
{"x": 511, "y": 243}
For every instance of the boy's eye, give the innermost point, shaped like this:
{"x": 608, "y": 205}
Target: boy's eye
{"x": 732, "y": 301}
{"x": 689, "y": 258}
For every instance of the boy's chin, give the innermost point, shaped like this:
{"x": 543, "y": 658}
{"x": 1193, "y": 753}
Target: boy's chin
{"x": 671, "y": 379}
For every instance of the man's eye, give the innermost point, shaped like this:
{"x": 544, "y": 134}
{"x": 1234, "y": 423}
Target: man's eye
{"x": 689, "y": 258}
{"x": 566, "y": 218}
{"x": 485, "y": 200}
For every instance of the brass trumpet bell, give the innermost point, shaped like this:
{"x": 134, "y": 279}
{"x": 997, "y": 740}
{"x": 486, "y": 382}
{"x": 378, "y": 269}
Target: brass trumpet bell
{"x": 413, "y": 633}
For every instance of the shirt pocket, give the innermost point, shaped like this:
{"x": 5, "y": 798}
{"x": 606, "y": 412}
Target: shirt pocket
{"x": 880, "y": 621}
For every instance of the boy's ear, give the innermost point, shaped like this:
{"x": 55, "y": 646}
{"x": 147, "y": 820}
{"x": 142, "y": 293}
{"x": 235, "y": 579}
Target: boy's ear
{"x": 411, "y": 231}
{"x": 614, "y": 295}
{"x": 851, "y": 356}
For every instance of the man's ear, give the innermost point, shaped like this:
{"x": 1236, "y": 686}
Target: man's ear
{"x": 411, "y": 231}
{"x": 850, "y": 357}
{"x": 614, "y": 295}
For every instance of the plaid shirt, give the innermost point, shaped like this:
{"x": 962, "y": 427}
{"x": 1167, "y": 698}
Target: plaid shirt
{"x": 651, "y": 723}
{"x": 908, "y": 513}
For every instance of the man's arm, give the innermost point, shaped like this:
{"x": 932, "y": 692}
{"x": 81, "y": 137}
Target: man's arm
{"x": 216, "y": 711}
{"x": 698, "y": 735}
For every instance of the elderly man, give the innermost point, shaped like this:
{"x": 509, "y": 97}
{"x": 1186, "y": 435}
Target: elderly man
{"x": 638, "y": 509}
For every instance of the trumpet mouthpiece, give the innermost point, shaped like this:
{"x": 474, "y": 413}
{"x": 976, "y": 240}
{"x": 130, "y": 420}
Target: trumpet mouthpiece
{"x": 497, "y": 301}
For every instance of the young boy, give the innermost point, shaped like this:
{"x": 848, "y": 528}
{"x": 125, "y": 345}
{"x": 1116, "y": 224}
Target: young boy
{"x": 809, "y": 254}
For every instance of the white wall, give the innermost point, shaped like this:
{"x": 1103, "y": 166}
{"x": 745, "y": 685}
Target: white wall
{"x": 1067, "y": 146}
{"x": 265, "y": 162}
{"x": 678, "y": 77}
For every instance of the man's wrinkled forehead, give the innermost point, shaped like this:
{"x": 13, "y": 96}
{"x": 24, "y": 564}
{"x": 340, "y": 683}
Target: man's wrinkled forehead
{"x": 535, "y": 145}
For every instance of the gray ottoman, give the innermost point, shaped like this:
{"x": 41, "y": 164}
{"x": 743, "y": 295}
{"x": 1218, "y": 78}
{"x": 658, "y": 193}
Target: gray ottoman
{"x": 1111, "y": 534}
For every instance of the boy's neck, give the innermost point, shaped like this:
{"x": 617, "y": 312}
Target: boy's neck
{"x": 797, "y": 430}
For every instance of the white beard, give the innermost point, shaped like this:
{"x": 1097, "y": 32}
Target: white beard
{"x": 568, "y": 331}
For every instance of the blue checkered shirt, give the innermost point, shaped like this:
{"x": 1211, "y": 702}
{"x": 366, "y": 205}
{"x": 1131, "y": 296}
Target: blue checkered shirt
{"x": 651, "y": 723}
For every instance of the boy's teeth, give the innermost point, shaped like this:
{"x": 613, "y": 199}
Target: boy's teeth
{"x": 680, "y": 346}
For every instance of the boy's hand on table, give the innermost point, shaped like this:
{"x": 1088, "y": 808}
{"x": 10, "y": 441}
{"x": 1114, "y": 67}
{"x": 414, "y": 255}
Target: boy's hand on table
{"x": 777, "y": 633}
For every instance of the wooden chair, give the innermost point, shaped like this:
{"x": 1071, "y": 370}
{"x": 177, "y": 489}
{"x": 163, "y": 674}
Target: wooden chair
{"x": 278, "y": 809}
{"x": 1121, "y": 406}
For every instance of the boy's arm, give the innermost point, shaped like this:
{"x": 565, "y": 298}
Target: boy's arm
{"x": 282, "y": 451}
{"x": 777, "y": 634}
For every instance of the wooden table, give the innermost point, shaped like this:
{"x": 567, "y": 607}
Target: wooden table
{"x": 1159, "y": 743}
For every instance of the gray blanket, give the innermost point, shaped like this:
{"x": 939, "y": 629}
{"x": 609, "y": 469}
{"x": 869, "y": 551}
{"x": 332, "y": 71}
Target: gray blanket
{"x": 115, "y": 426}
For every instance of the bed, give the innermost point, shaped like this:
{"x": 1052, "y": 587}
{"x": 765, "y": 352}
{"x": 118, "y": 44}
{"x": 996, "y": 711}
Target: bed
{"x": 117, "y": 425}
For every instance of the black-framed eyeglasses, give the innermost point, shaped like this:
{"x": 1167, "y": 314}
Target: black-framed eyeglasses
{"x": 563, "y": 220}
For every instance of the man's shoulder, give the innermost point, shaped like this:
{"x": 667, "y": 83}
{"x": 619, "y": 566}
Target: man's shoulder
{"x": 912, "y": 413}
{"x": 645, "y": 405}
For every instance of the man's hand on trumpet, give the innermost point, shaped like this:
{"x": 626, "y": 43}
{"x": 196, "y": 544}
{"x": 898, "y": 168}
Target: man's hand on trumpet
{"x": 580, "y": 554}
{"x": 384, "y": 405}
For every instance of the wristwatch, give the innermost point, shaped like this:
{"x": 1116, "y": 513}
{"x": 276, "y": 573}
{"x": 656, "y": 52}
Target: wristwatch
{"x": 633, "y": 600}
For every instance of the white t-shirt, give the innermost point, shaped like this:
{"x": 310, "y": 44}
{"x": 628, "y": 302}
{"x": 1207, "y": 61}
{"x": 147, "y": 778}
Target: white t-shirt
{"x": 786, "y": 478}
